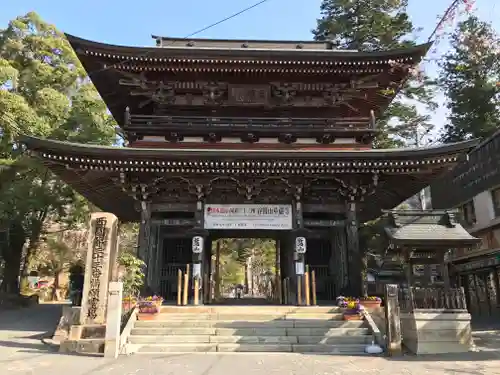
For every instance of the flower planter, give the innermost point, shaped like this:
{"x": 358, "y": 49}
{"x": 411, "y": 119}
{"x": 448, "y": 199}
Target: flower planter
{"x": 128, "y": 305}
{"x": 352, "y": 317}
{"x": 370, "y": 303}
{"x": 149, "y": 307}
{"x": 146, "y": 316}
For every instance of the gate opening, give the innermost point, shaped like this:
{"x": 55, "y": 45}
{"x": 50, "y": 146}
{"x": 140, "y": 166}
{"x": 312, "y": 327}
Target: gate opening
{"x": 245, "y": 271}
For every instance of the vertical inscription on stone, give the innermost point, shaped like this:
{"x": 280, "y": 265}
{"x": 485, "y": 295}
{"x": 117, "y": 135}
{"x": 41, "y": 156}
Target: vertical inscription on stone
{"x": 100, "y": 267}
{"x": 98, "y": 254}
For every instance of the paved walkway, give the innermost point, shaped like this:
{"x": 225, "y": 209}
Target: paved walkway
{"x": 247, "y": 364}
{"x": 24, "y": 329}
{"x": 23, "y": 353}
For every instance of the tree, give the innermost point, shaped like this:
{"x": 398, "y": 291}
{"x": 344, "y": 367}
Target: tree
{"x": 55, "y": 258}
{"x": 470, "y": 78}
{"x": 44, "y": 92}
{"x": 133, "y": 275}
{"x": 374, "y": 25}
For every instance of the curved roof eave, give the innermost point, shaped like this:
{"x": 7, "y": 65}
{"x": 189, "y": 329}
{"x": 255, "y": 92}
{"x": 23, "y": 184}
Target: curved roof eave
{"x": 80, "y": 43}
{"x": 39, "y": 144}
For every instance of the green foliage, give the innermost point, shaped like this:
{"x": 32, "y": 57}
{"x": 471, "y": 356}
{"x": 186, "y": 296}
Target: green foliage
{"x": 374, "y": 25}
{"x": 232, "y": 271}
{"x": 470, "y": 78}
{"x": 44, "y": 92}
{"x": 365, "y": 25}
{"x": 129, "y": 234}
{"x": 133, "y": 276}
{"x": 54, "y": 257}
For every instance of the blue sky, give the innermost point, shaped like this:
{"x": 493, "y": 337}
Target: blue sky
{"x": 132, "y": 22}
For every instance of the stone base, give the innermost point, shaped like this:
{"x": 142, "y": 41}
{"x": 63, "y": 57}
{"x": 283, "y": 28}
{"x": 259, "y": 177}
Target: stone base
{"x": 84, "y": 339}
{"x": 434, "y": 332}
{"x": 70, "y": 316}
{"x": 87, "y": 346}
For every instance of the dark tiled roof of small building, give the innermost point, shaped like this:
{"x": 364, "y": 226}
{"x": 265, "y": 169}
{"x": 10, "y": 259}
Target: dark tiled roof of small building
{"x": 427, "y": 228}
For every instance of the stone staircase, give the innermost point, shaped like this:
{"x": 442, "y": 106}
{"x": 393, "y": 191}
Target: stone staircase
{"x": 249, "y": 329}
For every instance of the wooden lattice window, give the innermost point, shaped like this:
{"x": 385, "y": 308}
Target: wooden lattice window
{"x": 495, "y": 198}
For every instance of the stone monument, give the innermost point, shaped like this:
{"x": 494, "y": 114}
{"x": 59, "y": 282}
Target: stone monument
{"x": 100, "y": 267}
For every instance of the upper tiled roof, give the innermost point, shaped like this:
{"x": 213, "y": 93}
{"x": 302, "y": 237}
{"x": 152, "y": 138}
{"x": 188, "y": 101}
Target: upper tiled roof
{"x": 425, "y": 228}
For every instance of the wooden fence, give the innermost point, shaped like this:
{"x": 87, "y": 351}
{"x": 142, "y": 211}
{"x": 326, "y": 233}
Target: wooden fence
{"x": 415, "y": 298}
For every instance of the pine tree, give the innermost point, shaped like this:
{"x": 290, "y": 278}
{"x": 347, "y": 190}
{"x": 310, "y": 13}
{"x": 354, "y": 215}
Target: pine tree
{"x": 470, "y": 78}
{"x": 374, "y": 25}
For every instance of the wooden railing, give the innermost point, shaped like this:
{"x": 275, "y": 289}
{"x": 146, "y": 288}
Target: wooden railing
{"x": 264, "y": 124}
{"x": 416, "y": 298}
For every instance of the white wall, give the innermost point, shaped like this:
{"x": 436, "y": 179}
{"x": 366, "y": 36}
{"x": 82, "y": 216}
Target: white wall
{"x": 483, "y": 207}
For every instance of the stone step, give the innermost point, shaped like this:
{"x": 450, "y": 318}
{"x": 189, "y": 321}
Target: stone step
{"x": 262, "y": 348}
{"x": 321, "y": 324}
{"x": 173, "y": 324}
{"x": 274, "y": 340}
{"x": 249, "y": 309}
{"x": 321, "y": 332}
{"x": 169, "y": 339}
{"x": 311, "y": 316}
{"x": 206, "y": 339}
{"x": 345, "y": 349}
{"x": 173, "y": 331}
{"x": 213, "y": 339}
{"x": 334, "y": 340}
{"x": 196, "y": 331}
{"x": 175, "y": 348}
{"x": 259, "y": 348}
{"x": 248, "y": 316}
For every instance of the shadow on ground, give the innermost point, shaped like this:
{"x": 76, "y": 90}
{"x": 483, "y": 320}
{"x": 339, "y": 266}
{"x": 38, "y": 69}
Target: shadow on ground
{"x": 38, "y": 318}
{"x": 27, "y": 328}
{"x": 451, "y": 357}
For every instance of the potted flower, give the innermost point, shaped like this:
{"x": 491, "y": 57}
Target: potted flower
{"x": 128, "y": 303}
{"x": 353, "y": 311}
{"x": 371, "y": 301}
{"x": 150, "y": 305}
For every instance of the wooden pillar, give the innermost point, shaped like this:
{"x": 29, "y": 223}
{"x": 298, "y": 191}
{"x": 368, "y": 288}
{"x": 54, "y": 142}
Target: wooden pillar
{"x": 207, "y": 270}
{"x": 144, "y": 251}
{"x": 144, "y": 228}
{"x": 444, "y": 272}
{"x": 279, "y": 289}
{"x": 496, "y": 280}
{"x": 153, "y": 260}
{"x": 340, "y": 265}
{"x": 217, "y": 271}
{"x": 408, "y": 268}
{"x": 354, "y": 256}
{"x": 427, "y": 274}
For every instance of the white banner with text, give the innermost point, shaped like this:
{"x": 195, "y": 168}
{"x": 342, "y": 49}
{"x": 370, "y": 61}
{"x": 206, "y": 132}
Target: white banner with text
{"x": 248, "y": 216}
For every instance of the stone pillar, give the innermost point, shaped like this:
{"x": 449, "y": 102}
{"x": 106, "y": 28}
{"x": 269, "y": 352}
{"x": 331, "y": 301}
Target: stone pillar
{"x": 353, "y": 251}
{"x": 100, "y": 267}
{"x": 113, "y": 320}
